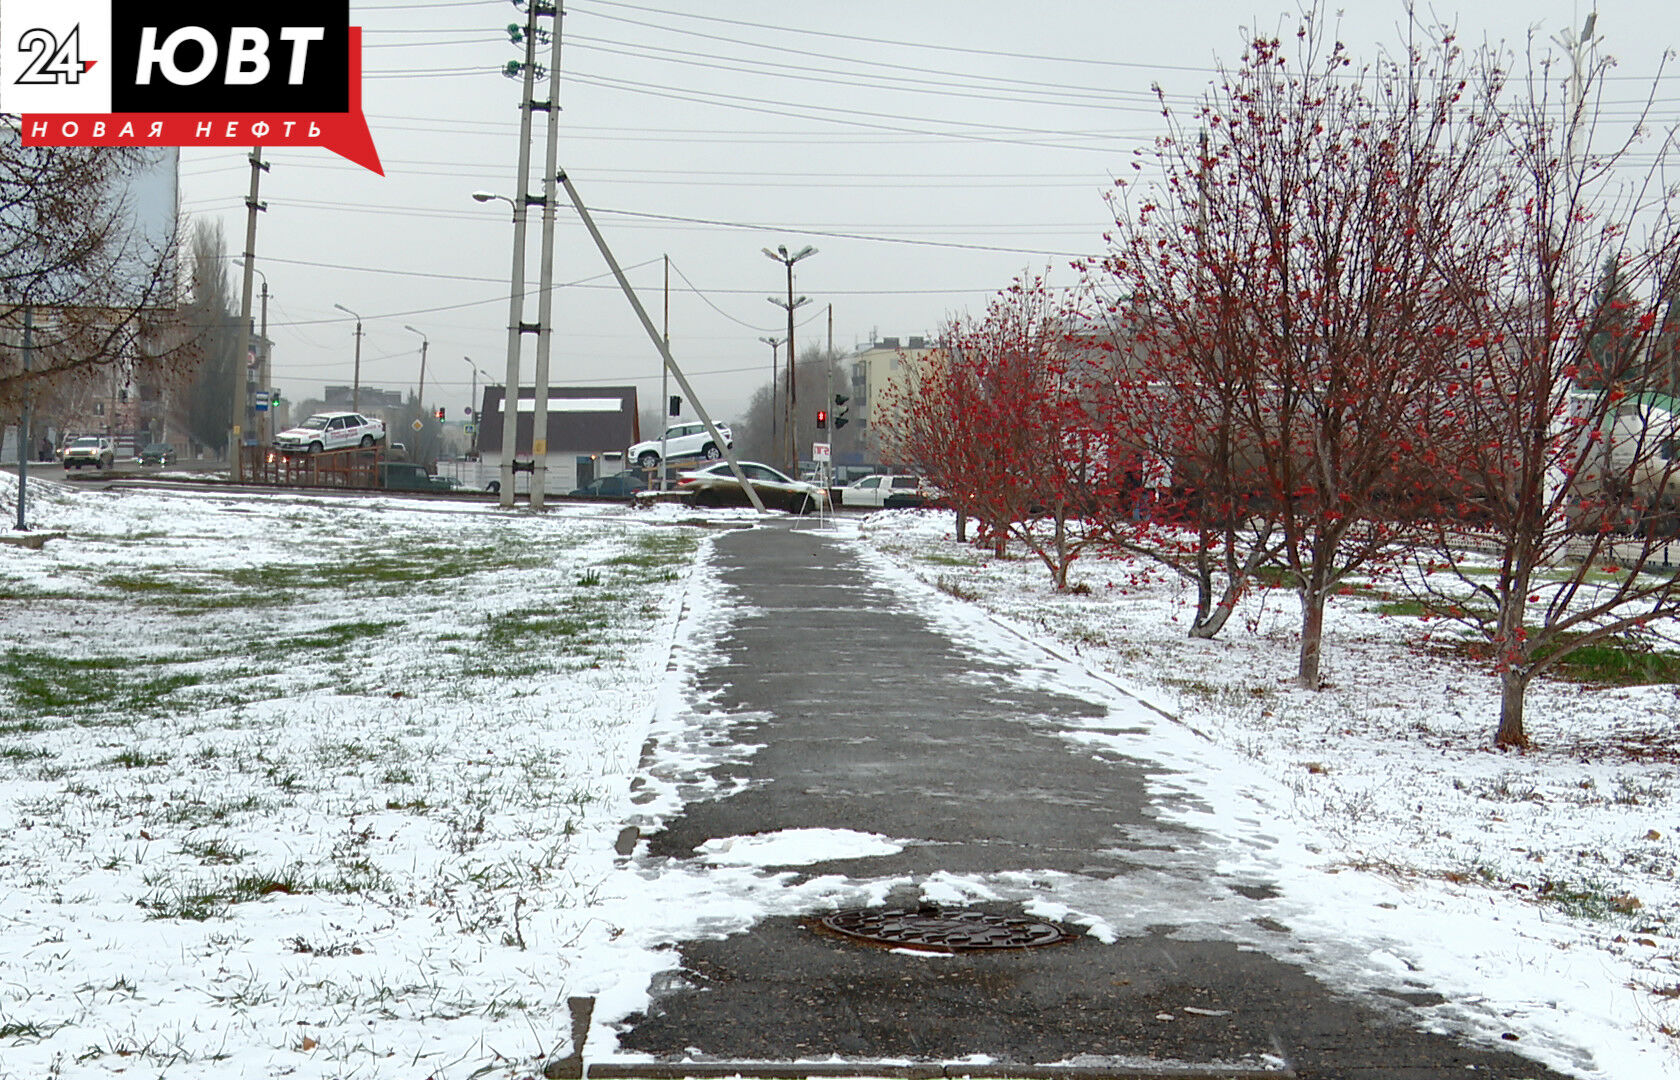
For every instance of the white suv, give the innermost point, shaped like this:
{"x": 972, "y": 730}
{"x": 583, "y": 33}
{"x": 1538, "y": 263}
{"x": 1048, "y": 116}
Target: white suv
{"x": 689, "y": 439}
{"x": 331, "y": 431}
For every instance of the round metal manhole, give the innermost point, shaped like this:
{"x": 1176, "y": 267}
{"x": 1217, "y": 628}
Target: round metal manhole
{"x": 935, "y": 929}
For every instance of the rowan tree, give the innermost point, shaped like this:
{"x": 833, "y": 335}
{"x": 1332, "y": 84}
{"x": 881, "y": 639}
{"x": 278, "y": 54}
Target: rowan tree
{"x": 1190, "y": 509}
{"x": 1288, "y": 256}
{"x": 1557, "y": 438}
{"x": 1004, "y": 418}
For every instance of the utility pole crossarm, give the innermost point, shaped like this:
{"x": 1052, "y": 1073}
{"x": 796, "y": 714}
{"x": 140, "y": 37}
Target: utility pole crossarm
{"x": 658, "y": 342}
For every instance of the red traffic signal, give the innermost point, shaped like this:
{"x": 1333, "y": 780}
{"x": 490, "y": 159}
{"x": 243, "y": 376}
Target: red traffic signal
{"x": 440, "y": 412}
{"x": 822, "y": 419}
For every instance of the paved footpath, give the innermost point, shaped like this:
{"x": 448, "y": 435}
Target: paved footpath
{"x": 907, "y": 733}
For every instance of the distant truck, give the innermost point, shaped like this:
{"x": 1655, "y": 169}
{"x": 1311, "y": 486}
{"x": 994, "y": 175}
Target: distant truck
{"x": 409, "y": 476}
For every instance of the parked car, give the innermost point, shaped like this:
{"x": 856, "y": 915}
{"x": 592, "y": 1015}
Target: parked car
{"x": 330, "y": 431}
{"x": 157, "y": 453}
{"x": 715, "y": 485}
{"x": 89, "y": 450}
{"x": 409, "y": 476}
{"x": 617, "y": 486}
{"x": 889, "y": 491}
{"x": 681, "y": 441}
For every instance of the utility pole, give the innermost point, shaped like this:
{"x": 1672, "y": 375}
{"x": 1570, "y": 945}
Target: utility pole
{"x": 356, "y": 372}
{"x": 517, "y": 327}
{"x": 28, "y": 411}
{"x": 242, "y": 372}
{"x": 828, "y": 403}
{"x": 545, "y": 290}
{"x": 665, "y": 387}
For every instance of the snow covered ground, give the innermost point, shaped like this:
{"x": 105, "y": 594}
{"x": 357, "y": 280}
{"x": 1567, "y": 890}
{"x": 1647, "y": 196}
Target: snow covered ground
{"x": 1536, "y": 890}
{"x": 311, "y": 786}
{"x": 324, "y": 787}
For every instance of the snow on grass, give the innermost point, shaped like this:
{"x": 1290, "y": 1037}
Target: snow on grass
{"x": 1536, "y": 890}
{"x": 313, "y": 786}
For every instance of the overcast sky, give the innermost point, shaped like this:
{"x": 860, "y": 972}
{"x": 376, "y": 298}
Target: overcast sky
{"x": 929, "y": 149}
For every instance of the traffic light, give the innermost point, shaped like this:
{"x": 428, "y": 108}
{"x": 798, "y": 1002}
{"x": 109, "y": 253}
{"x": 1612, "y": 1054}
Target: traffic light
{"x": 840, "y": 419}
{"x": 440, "y": 412}
{"x": 676, "y": 405}
{"x": 822, "y": 419}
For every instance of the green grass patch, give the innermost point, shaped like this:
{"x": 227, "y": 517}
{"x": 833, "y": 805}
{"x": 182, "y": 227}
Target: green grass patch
{"x": 535, "y": 628}
{"x": 48, "y": 683}
{"x": 26, "y": 727}
{"x": 136, "y": 759}
{"x": 1617, "y": 663}
{"x": 940, "y": 558}
{"x": 23, "y": 753}
{"x": 335, "y": 636}
{"x": 213, "y": 850}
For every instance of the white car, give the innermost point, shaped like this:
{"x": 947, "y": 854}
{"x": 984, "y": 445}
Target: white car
{"x": 889, "y": 491}
{"x": 89, "y": 450}
{"x": 331, "y": 431}
{"x": 689, "y": 439}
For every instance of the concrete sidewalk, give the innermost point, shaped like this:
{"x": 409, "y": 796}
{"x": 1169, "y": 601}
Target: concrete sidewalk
{"x": 907, "y": 733}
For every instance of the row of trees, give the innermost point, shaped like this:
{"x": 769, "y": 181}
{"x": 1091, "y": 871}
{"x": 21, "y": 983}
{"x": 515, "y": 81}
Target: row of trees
{"x": 1351, "y": 317}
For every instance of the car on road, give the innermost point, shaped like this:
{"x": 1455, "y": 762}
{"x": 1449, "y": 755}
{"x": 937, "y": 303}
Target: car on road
{"x": 156, "y": 454}
{"x": 331, "y": 431}
{"x": 889, "y": 491}
{"x": 89, "y": 450}
{"x": 412, "y": 476}
{"x": 617, "y": 486}
{"x": 715, "y": 485}
{"x": 684, "y": 440}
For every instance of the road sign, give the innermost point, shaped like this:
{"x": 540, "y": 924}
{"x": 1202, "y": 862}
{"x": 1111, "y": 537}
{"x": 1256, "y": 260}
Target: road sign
{"x": 819, "y": 451}
{"x": 417, "y": 425}
{"x": 261, "y": 401}
{"x": 470, "y": 429}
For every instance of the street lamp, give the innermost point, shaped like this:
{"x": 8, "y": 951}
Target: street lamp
{"x": 473, "y": 409}
{"x": 790, "y": 449}
{"x": 424, "y": 344}
{"x": 775, "y": 344}
{"x": 516, "y": 327}
{"x": 356, "y": 380}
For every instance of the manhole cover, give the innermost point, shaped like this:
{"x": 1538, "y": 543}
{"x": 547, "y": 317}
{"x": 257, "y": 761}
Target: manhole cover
{"x": 944, "y": 929}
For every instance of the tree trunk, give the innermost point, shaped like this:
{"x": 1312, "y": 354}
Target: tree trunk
{"x": 1312, "y": 635}
{"x": 1513, "y": 692}
{"x": 962, "y": 526}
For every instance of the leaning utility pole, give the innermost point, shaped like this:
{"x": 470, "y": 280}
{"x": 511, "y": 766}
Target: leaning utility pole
{"x": 545, "y": 288}
{"x": 517, "y": 327}
{"x": 664, "y": 349}
{"x": 242, "y": 371}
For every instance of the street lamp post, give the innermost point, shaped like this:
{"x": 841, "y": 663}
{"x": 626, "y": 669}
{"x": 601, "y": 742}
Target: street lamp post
{"x": 775, "y": 361}
{"x": 424, "y": 343}
{"x": 421, "y": 453}
{"x": 516, "y": 311}
{"x": 356, "y": 377}
{"x": 473, "y": 407}
{"x": 791, "y": 447}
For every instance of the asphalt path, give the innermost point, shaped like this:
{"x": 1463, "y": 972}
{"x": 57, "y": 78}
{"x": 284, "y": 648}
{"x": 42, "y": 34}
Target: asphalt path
{"x": 925, "y": 737}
